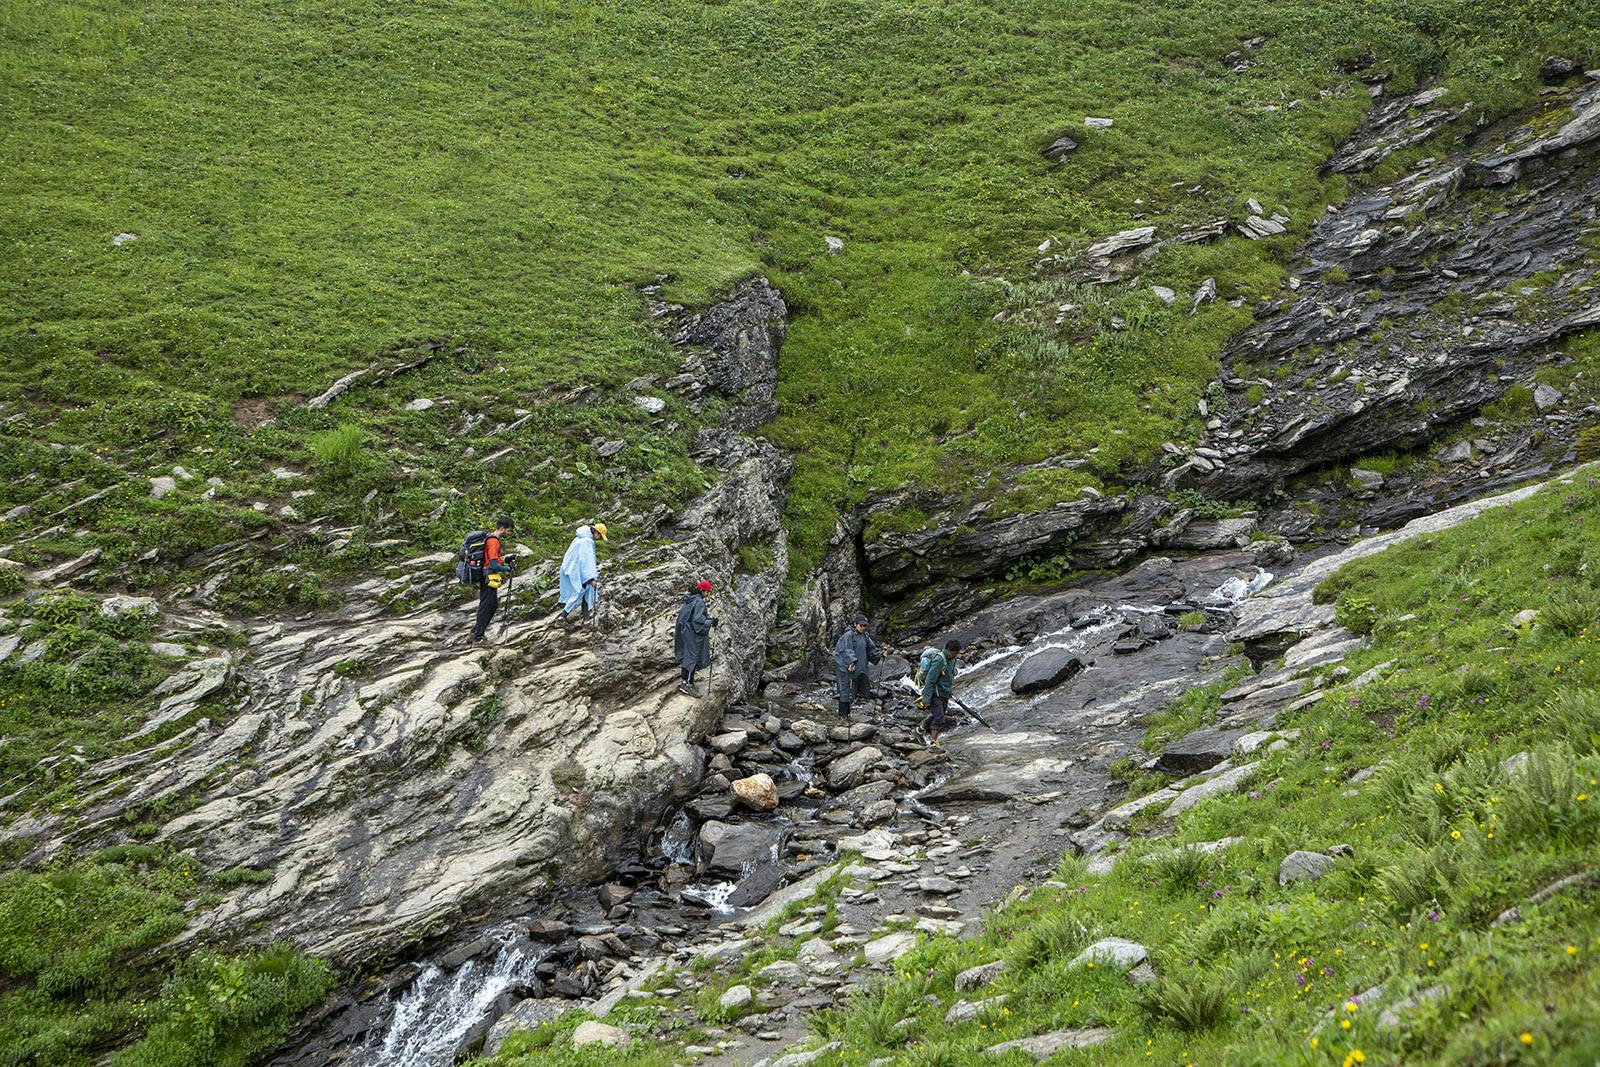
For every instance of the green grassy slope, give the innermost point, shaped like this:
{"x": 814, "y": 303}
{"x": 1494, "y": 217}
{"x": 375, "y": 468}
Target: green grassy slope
{"x": 67, "y": 934}
{"x": 317, "y": 187}
{"x": 1444, "y": 839}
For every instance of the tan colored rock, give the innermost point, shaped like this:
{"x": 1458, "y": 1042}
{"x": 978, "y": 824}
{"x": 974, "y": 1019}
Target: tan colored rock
{"x": 430, "y": 788}
{"x": 593, "y": 1033}
{"x": 757, "y": 791}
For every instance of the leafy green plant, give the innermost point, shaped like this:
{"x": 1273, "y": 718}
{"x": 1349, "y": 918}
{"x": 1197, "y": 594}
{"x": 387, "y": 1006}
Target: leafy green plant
{"x": 1192, "y": 1003}
{"x": 339, "y": 451}
{"x": 1574, "y": 714}
{"x": 1572, "y": 611}
{"x": 1356, "y": 613}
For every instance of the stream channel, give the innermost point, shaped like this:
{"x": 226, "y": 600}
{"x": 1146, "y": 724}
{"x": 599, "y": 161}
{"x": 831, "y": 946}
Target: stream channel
{"x": 994, "y": 807}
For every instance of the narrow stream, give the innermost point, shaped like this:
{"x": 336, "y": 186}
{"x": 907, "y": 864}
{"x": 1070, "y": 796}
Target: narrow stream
{"x": 430, "y": 1020}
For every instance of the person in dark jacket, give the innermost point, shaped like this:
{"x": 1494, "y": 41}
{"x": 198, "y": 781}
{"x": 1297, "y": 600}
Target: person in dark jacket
{"x": 938, "y": 686}
{"x": 691, "y": 636}
{"x": 851, "y": 656}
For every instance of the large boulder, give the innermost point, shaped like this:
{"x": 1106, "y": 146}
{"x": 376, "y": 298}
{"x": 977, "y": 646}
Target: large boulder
{"x": 1303, "y": 867}
{"x": 982, "y": 974}
{"x": 1116, "y": 952}
{"x": 593, "y": 1033}
{"x": 1045, "y": 670}
{"x": 757, "y": 791}
{"x": 847, "y": 771}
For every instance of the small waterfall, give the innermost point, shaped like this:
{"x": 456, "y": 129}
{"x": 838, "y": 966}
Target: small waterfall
{"x": 714, "y": 895}
{"x": 439, "y": 1009}
{"x": 1236, "y": 589}
{"x": 677, "y": 843}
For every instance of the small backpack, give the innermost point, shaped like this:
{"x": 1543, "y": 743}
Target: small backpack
{"x": 469, "y": 562}
{"x": 931, "y": 660}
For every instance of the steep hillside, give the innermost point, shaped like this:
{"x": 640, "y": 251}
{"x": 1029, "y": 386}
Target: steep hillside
{"x": 216, "y": 214}
{"x": 835, "y": 303}
{"x": 1379, "y": 850}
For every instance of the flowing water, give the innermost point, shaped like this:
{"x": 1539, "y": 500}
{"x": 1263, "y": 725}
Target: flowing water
{"x": 429, "y": 1020}
{"x": 435, "y": 1013}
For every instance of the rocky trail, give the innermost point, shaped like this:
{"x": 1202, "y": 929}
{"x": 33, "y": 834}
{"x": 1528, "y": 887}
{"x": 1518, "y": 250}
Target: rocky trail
{"x": 927, "y": 841}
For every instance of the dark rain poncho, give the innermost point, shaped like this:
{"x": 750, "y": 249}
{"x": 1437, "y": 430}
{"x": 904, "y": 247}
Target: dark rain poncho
{"x": 857, "y": 649}
{"x": 691, "y": 635}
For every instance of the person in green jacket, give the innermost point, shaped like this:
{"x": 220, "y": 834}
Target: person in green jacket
{"x": 938, "y": 686}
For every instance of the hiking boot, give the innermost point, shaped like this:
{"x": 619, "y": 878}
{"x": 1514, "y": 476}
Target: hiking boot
{"x": 688, "y": 689}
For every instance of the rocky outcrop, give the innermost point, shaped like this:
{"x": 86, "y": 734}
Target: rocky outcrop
{"x": 390, "y": 779}
{"x": 1417, "y": 304}
{"x": 1413, "y": 307}
{"x": 730, "y": 348}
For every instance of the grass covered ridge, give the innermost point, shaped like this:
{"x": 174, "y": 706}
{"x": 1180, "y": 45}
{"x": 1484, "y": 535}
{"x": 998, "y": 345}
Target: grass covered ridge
{"x": 317, "y": 188}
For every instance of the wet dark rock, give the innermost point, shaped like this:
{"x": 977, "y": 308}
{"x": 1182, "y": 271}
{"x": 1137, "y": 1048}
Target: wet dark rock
{"x": 1045, "y": 670}
{"x": 578, "y": 983}
{"x": 757, "y": 886}
{"x": 468, "y": 950}
{"x": 726, "y": 848}
{"x": 862, "y": 795}
{"x": 711, "y": 808}
{"x": 1198, "y": 751}
{"x": 550, "y": 930}
{"x": 594, "y": 948}
{"x": 613, "y": 895}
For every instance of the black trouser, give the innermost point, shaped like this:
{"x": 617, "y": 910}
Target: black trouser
{"x": 688, "y": 674}
{"x": 937, "y": 707}
{"x": 488, "y": 601}
{"x": 852, "y": 684}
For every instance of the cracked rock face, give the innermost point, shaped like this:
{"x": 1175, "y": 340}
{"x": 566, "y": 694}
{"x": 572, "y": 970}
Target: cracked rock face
{"x": 1410, "y": 311}
{"x": 732, "y": 349}
{"x": 1413, "y": 313}
{"x": 394, "y": 780}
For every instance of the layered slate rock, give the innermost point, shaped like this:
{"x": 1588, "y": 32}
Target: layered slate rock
{"x": 1372, "y": 349}
{"x": 1198, "y": 751}
{"x": 446, "y": 781}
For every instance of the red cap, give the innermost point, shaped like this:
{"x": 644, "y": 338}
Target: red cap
{"x": 703, "y": 585}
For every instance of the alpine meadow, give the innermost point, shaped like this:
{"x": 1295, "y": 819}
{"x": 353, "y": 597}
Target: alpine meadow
{"x": 829, "y": 532}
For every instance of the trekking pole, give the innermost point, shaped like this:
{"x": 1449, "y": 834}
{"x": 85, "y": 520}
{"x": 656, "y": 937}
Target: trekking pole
{"x": 963, "y": 706}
